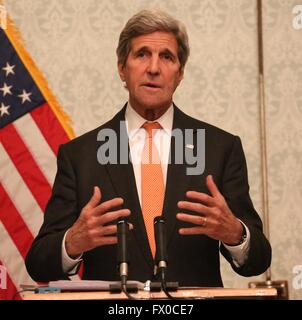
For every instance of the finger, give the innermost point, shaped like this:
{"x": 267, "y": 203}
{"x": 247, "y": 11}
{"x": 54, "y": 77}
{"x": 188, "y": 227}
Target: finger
{"x": 108, "y": 230}
{"x": 108, "y": 205}
{"x": 198, "y": 220}
{"x": 195, "y": 207}
{"x": 112, "y": 229}
{"x": 108, "y": 240}
{"x": 113, "y": 215}
{"x": 95, "y": 199}
{"x": 201, "y": 198}
{"x": 191, "y": 231}
{"x": 212, "y": 186}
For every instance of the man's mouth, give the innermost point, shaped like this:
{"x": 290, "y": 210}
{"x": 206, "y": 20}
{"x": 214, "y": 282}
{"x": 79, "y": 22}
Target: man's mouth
{"x": 151, "y": 85}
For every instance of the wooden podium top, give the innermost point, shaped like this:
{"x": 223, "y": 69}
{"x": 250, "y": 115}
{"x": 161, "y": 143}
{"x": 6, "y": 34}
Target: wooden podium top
{"x": 194, "y": 293}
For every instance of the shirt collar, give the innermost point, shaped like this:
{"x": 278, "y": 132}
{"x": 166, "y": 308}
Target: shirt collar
{"x": 134, "y": 121}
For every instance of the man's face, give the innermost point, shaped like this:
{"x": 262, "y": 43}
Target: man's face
{"x": 152, "y": 72}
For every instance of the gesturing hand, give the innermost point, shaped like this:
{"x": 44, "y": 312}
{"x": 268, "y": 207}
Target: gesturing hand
{"x": 91, "y": 228}
{"x": 214, "y": 219}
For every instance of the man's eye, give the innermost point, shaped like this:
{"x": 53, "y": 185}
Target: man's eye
{"x": 167, "y": 56}
{"x": 141, "y": 54}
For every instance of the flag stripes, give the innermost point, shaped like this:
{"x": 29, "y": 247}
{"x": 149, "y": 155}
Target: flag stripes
{"x": 37, "y": 146}
{"x": 13, "y": 261}
{"x": 26, "y": 165}
{"x": 10, "y": 290}
{"x": 14, "y": 224}
{"x": 50, "y": 127}
{"x": 18, "y": 191}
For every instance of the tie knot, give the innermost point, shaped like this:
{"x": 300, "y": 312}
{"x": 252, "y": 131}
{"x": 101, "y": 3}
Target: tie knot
{"x": 150, "y": 126}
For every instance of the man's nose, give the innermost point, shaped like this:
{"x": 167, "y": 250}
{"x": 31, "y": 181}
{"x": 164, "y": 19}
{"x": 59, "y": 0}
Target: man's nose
{"x": 153, "y": 67}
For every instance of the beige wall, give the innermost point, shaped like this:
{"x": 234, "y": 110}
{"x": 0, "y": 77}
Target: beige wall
{"x": 73, "y": 42}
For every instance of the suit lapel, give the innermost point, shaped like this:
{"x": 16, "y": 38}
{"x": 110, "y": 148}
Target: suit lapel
{"x": 177, "y": 179}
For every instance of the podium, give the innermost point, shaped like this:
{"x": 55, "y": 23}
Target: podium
{"x": 185, "y": 293}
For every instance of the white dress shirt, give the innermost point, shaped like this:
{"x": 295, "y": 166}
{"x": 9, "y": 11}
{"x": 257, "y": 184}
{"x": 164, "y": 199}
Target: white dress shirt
{"x": 162, "y": 140}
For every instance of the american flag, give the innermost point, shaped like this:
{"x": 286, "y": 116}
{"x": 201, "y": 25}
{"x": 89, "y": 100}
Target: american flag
{"x": 32, "y": 126}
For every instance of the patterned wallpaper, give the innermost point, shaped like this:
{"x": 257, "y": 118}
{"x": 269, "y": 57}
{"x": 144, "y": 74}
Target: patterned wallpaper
{"x": 73, "y": 42}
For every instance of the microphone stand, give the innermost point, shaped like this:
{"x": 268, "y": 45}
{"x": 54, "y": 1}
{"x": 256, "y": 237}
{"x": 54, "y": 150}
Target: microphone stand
{"x": 161, "y": 258}
{"x": 122, "y": 259}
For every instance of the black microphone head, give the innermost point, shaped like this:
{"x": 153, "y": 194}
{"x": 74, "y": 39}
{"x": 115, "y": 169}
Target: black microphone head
{"x": 160, "y": 239}
{"x": 159, "y": 219}
{"x": 122, "y": 235}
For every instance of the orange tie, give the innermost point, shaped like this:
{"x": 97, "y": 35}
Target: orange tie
{"x": 152, "y": 183}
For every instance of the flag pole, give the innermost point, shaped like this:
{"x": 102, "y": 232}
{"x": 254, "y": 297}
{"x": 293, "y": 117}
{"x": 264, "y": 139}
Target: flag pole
{"x": 262, "y": 119}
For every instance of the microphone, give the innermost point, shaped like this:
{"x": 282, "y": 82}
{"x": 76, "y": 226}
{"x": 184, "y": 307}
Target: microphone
{"x": 161, "y": 258}
{"x": 123, "y": 261}
{"x": 122, "y": 255}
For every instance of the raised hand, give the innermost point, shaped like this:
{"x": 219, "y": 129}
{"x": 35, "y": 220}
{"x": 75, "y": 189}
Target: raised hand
{"x": 92, "y": 228}
{"x": 214, "y": 219}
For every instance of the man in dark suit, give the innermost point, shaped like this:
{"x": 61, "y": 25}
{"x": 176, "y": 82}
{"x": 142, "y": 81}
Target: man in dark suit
{"x": 205, "y": 213}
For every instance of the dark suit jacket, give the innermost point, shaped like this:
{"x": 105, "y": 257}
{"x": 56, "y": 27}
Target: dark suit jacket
{"x": 193, "y": 260}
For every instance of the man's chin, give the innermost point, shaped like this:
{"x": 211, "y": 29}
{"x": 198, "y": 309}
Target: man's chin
{"x": 151, "y": 110}
{"x": 154, "y": 104}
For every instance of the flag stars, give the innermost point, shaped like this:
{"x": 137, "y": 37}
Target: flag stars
{"x": 9, "y": 69}
{"x": 25, "y": 96}
{"x": 6, "y": 89}
{"x": 4, "y": 110}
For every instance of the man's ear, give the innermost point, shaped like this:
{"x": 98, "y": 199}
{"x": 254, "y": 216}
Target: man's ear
{"x": 120, "y": 68}
{"x": 181, "y": 76}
